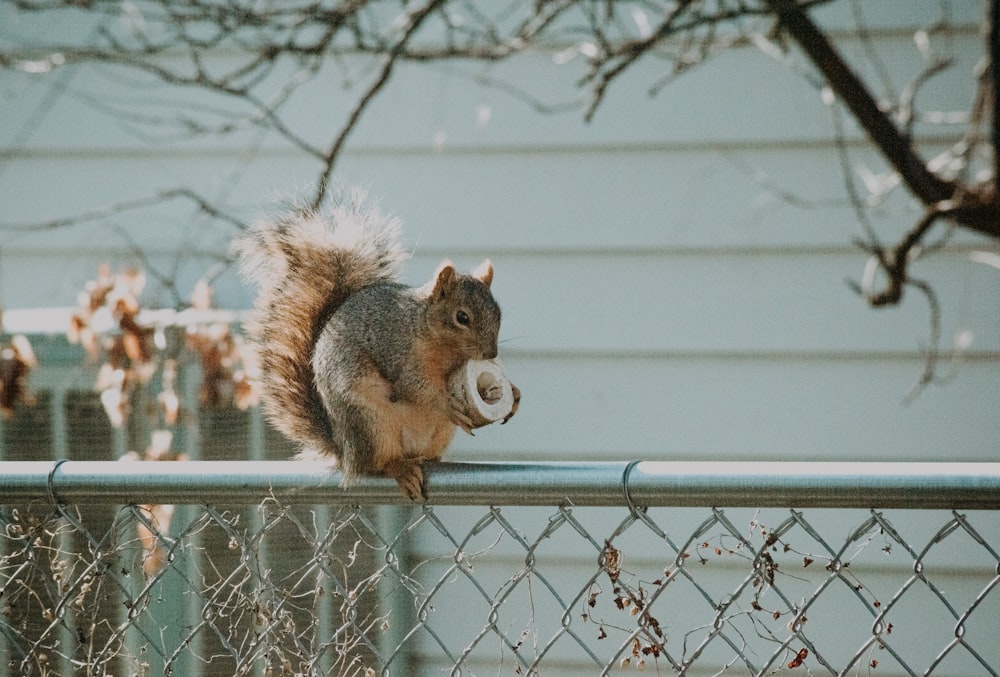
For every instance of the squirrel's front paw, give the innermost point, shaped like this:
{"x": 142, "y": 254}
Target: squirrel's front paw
{"x": 409, "y": 475}
{"x": 460, "y": 417}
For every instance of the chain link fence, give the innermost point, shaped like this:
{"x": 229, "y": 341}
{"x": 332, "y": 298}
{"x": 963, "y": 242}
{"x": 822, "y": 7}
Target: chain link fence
{"x": 263, "y": 582}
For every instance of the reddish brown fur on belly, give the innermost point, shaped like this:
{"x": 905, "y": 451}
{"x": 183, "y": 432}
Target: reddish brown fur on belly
{"x": 404, "y": 430}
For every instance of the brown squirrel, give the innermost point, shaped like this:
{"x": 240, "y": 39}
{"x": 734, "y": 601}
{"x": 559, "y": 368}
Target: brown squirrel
{"x": 355, "y": 365}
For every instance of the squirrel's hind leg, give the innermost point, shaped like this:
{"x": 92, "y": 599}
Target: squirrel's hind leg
{"x": 374, "y": 425}
{"x": 409, "y": 475}
{"x": 373, "y": 448}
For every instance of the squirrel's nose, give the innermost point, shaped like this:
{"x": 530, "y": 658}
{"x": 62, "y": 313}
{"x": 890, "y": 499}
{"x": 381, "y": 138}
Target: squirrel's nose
{"x": 490, "y": 353}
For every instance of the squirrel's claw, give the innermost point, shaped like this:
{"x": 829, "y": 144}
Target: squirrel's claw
{"x": 517, "y": 403}
{"x": 409, "y": 475}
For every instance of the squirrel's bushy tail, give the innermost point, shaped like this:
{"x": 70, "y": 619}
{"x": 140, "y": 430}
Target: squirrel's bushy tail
{"x": 306, "y": 263}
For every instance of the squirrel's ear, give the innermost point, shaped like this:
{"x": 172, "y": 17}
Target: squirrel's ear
{"x": 444, "y": 279}
{"x": 484, "y": 272}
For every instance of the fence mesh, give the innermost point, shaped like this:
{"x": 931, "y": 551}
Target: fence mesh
{"x": 298, "y": 590}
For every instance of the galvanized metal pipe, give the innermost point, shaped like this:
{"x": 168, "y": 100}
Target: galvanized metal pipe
{"x": 636, "y": 484}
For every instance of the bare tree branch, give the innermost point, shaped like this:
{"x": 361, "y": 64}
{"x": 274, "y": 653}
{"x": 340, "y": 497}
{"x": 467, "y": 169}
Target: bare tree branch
{"x": 895, "y": 146}
{"x": 412, "y": 23}
{"x": 108, "y": 211}
{"x": 974, "y": 209}
{"x": 934, "y": 339}
{"x": 907, "y": 98}
{"x": 246, "y": 63}
{"x": 895, "y": 262}
{"x": 696, "y": 25}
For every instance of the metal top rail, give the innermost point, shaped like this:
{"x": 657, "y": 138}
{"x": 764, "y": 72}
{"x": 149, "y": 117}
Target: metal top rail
{"x": 646, "y": 483}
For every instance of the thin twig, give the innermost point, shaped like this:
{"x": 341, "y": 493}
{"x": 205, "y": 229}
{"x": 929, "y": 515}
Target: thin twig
{"x": 413, "y": 21}
{"x": 128, "y": 205}
{"x": 934, "y": 338}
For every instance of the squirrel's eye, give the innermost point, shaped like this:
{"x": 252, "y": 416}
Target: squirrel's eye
{"x": 462, "y": 318}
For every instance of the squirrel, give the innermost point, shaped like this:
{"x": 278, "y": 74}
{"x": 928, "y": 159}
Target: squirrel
{"x": 354, "y": 364}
